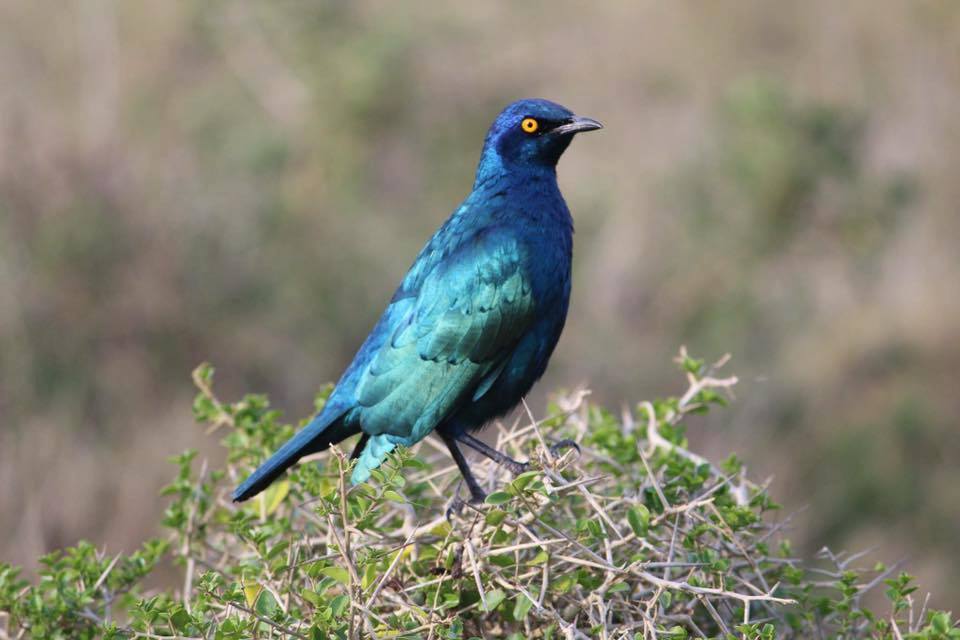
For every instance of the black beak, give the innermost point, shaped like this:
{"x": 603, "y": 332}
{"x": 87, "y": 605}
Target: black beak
{"x": 577, "y": 124}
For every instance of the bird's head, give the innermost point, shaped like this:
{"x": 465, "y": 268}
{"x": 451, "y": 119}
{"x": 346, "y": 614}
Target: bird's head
{"x": 531, "y": 133}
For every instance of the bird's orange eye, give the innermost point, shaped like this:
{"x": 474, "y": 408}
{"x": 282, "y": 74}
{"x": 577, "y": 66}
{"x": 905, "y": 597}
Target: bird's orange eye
{"x": 530, "y": 125}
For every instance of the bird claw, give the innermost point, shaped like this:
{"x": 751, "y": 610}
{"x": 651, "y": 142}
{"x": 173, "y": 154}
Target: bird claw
{"x": 455, "y": 508}
{"x": 516, "y": 468}
{"x": 565, "y": 444}
{"x": 458, "y": 504}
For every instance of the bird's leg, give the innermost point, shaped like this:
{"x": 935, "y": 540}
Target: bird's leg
{"x": 476, "y": 493}
{"x": 501, "y": 459}
{"x": 358, "y": 448}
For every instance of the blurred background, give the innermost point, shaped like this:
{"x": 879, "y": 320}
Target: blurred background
{"x": 245, "y": 183}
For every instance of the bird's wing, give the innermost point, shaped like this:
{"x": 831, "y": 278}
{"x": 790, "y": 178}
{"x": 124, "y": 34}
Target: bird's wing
{"x": 466, "y": 317}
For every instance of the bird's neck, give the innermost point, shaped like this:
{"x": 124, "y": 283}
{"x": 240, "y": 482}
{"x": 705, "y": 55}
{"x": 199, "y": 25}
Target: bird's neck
{"x": 525, "y": 196}
{"x": 495, "y": 171}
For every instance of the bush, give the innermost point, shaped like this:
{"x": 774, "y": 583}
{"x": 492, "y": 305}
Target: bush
{"x": 635, "y": 537}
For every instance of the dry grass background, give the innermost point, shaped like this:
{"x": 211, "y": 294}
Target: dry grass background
{"x": 245, "y": 183}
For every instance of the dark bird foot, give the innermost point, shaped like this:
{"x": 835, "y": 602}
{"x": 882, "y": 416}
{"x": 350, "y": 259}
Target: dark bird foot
{"x": 458, "y": 504}
{"x": 516, "y": 468}
{"x": 455, "y": 508}
{"x": 564, "y": 444}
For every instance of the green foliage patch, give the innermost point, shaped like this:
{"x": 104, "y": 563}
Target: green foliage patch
{"x": 635, "y": 537}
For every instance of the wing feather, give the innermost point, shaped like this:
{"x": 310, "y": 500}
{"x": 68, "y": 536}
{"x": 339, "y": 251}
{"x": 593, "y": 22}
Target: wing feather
{"x": 469, "y": 313}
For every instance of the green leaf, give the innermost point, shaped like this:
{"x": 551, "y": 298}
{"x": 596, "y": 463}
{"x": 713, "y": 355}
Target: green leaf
{"x": 393, "y": 496}
{"x": 596, "y": 529}
{"x": 493, "y": 599}
{"x": 277, "y": 549}
{"x": 940, "y": 622}
{"x": 413, "y": 463}
{"x": 522, "y": 607}
{"x": 250, "y": 593}
{"x": 370, "y": 575}
{"x": 692, "y": 365}
{"x": 339, "y": 574}
{"x": 617, "y": 587}
{"x": 339, "y": 604}
{"x": 266, "y": 604}
{"x": 564, "y": 583}
{"x": 180, "y": 619}
{"x": 495, "y": 517}
{"x": 665, "y": 599}
{"x": 639, "y": 519}
{"x": 273, "y": 497}
{"x": 204, "y": 373}
{"x": 521, "y": 481}
{"x": 499, "y": 497}
{"x": 677, "y": 633}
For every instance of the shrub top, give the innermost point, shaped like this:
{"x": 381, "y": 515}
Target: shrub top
{"x": 634, "y": 537}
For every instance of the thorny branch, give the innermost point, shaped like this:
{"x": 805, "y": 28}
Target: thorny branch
{"x": 548, "y": 536}
{"x": 633, "y": 538}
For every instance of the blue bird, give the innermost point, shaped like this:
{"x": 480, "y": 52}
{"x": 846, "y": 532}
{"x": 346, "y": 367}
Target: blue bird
{"x": 473, "y": 323}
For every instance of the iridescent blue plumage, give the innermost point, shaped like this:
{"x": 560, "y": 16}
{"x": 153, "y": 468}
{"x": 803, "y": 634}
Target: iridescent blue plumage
{"x": 473, "y": 323}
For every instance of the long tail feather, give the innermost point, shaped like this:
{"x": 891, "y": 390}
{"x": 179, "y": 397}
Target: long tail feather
{"x": 323, "y": 431}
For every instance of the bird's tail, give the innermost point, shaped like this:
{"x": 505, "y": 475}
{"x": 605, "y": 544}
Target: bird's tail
{"x": 325, "y": 429}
